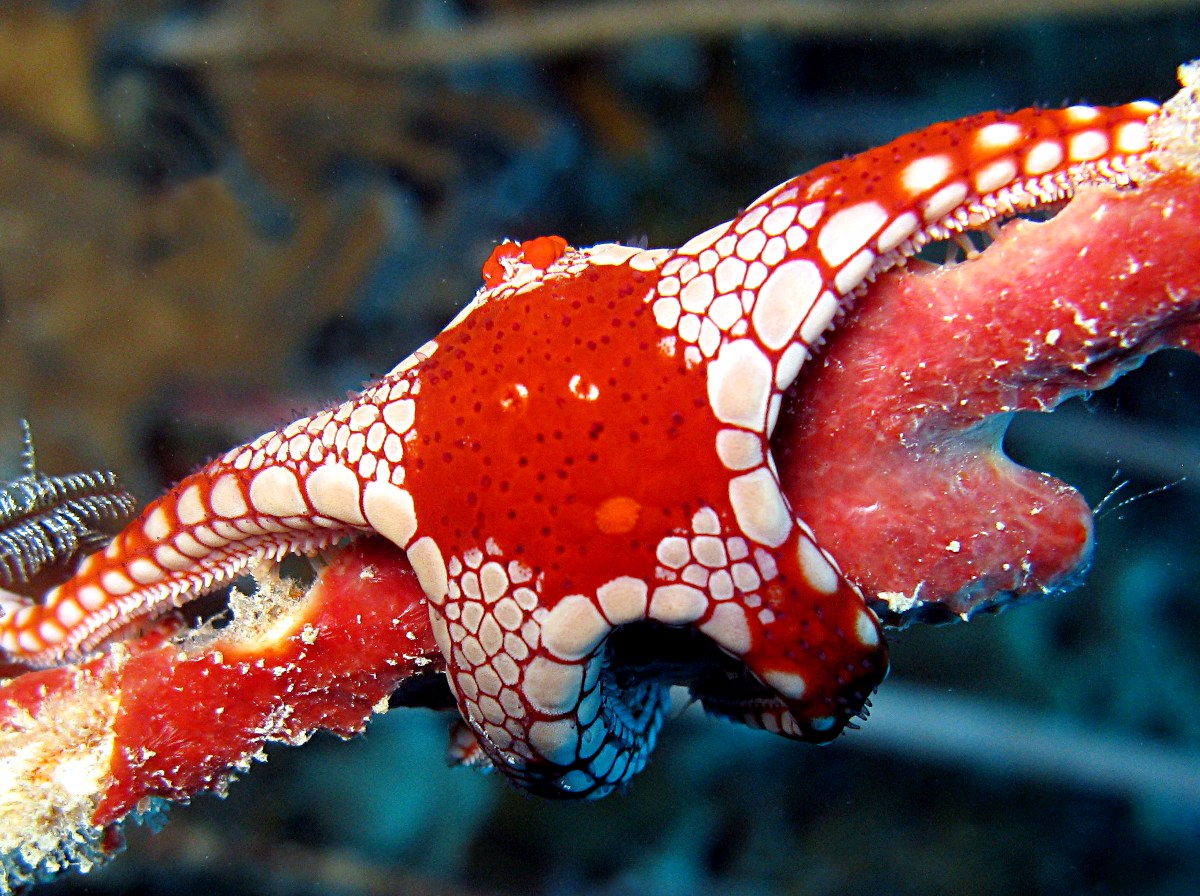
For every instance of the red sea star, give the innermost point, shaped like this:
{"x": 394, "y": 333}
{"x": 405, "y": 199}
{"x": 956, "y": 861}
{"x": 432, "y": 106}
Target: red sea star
{"x": 587, "y": 446}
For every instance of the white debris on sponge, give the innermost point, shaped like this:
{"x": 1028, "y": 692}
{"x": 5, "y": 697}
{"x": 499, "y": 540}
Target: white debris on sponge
{"x": 55, "y": 763}
{"x": 276, "y": 609}
{"x": 1175, "y": 130}
{"x": 54, "y": 766}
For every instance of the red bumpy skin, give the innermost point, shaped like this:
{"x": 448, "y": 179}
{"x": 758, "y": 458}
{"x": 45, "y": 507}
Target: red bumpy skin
{"x": 587, "y": 446}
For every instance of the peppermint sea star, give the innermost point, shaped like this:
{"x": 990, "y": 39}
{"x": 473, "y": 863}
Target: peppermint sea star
{"x": 586, "y": 447}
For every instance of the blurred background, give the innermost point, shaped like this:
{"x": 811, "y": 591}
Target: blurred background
{"x": 215, "y": 216}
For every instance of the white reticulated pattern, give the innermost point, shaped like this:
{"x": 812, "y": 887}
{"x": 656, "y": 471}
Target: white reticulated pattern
{"x": 744, "y": 297}
{"x": 699, "y": 575}
{"x": 528, "y": 678}
{"x": 336, "y": 469}
{"x": 294, "y": 489}
{"x": 708, "y": 290}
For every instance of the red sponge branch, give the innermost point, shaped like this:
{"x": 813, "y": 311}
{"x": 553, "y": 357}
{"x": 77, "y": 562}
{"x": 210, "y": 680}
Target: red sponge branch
{"x": 892, "y": 447}
{"x": 83, "y": 746}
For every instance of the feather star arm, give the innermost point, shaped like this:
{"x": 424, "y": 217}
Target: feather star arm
{"x": 587, "y": 446}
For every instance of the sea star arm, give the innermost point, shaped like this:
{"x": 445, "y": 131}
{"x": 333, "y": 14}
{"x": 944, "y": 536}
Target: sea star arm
{"x": 794, "y": 261}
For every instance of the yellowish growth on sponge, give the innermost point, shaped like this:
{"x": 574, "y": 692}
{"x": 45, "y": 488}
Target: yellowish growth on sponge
{"x": 277, "y": 609}
{"x": 54, "y": 766}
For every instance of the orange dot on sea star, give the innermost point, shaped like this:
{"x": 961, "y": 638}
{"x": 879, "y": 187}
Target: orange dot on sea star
{"x": 616, "y": 516}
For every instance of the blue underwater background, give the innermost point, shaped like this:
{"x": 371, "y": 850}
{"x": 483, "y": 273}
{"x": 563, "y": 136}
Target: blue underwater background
{"x": 199, "y": 243}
